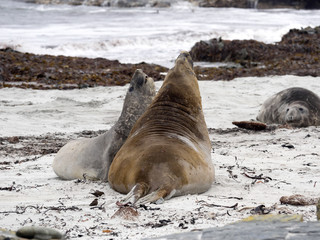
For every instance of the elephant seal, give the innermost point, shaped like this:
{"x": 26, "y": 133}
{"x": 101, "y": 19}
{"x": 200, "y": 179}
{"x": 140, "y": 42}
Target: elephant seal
{"x": 168, "y": 151}
{"x": 91, "y": 157}
{"x": 292, "y": 107}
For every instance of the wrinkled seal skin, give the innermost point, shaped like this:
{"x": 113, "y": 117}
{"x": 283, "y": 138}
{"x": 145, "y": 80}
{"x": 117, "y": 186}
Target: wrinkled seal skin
{"x": 293, "y": 107}
{"x": 91, "y": 157}
{"x": 168, "y": 152}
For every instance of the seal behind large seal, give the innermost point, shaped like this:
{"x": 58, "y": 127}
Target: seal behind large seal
{"x": 92, "y": 156}
{"x": 168, "y": 151}
{"x": 293, "y": 107}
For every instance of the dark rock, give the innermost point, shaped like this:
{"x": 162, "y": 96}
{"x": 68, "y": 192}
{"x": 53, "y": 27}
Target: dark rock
{"x": 298, "y": 4}
{"x": 2, "y": 75}
{"x": 161, "y": 4}
{"x": 97, "y": 193}
{"x": 287, "y": 145}
{"x": 218, "y": 50}
{"x": 132, "y": 3}
{"x": 33, "y": 232}
{"x": 296, "y": 49}
{"x": 261, "y": 4}
{"x": 313, "y": 4}
{"x": 108, "y": 3}
{"x": 94, "y": 203}
{"x": 27, "y": 70}
{"x": 228, "y": 3}
{"x": 13, "y": 140}
{"x": 298, "y": 200}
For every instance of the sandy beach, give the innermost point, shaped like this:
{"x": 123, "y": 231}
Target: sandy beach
{"x": 252, "y": 168}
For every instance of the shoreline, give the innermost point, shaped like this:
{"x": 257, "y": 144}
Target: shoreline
{"x": 43, "y": 72}
{"x": 298, "y": 53}
{"x": 262, "y": 4}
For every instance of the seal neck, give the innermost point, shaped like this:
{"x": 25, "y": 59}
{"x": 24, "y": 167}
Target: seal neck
{"x": 132, "y": 110}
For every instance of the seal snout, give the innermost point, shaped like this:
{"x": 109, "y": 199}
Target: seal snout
{"x": 293, "y": 115}
{"x": 185, "y": 56}
{"x": 296, "y": 114}
{"x": 139, "y": 77}
{"x": 142, "y": 82}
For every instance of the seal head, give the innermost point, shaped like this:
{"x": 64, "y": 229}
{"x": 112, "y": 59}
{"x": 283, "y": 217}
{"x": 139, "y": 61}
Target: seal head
{"x": 168, "y": 151}
{"x": 293, "y": 107}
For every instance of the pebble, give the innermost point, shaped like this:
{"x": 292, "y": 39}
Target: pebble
{"x": 40, "y": 233}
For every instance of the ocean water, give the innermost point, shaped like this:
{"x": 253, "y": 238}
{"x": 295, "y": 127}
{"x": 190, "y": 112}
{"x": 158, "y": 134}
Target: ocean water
{"x": 134, "y": 35}
{"x": 138, "y": 34}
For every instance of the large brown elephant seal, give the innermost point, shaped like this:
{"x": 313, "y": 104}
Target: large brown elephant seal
{"x": 91, "y": 157}
{"x": 168, "y": 151}
{"x": 292, "y": 107}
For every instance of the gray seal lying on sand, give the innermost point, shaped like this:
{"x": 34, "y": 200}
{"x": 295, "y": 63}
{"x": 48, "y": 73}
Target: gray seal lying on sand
{"x": 91, "y": 157}
{"x": 292, "y": 107}
{"x": 168, "y": 152}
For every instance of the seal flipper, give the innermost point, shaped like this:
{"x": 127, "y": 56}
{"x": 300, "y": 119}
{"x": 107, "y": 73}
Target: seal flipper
{"x": 138, "y": 191}
{"x": 153, "y": 197}
{"x": 158, "y": 197}
{"x": 139, "y": 195}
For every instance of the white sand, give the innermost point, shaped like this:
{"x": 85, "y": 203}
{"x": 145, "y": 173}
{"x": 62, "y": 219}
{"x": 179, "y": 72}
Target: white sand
{"x": 293, "y": 171}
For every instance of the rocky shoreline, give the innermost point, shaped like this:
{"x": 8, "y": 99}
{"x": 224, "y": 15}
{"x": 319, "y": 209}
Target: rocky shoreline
{"x": 298, "y": 53}
{"x": 108, "y": 3}
{"x": 26, "y": 70}
{"x": 259, "y": 4}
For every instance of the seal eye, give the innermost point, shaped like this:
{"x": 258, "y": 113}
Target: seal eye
{"x": 287, "y": 109}
{"x": 301, "y": 110}
{"x": 131, "y": 89}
